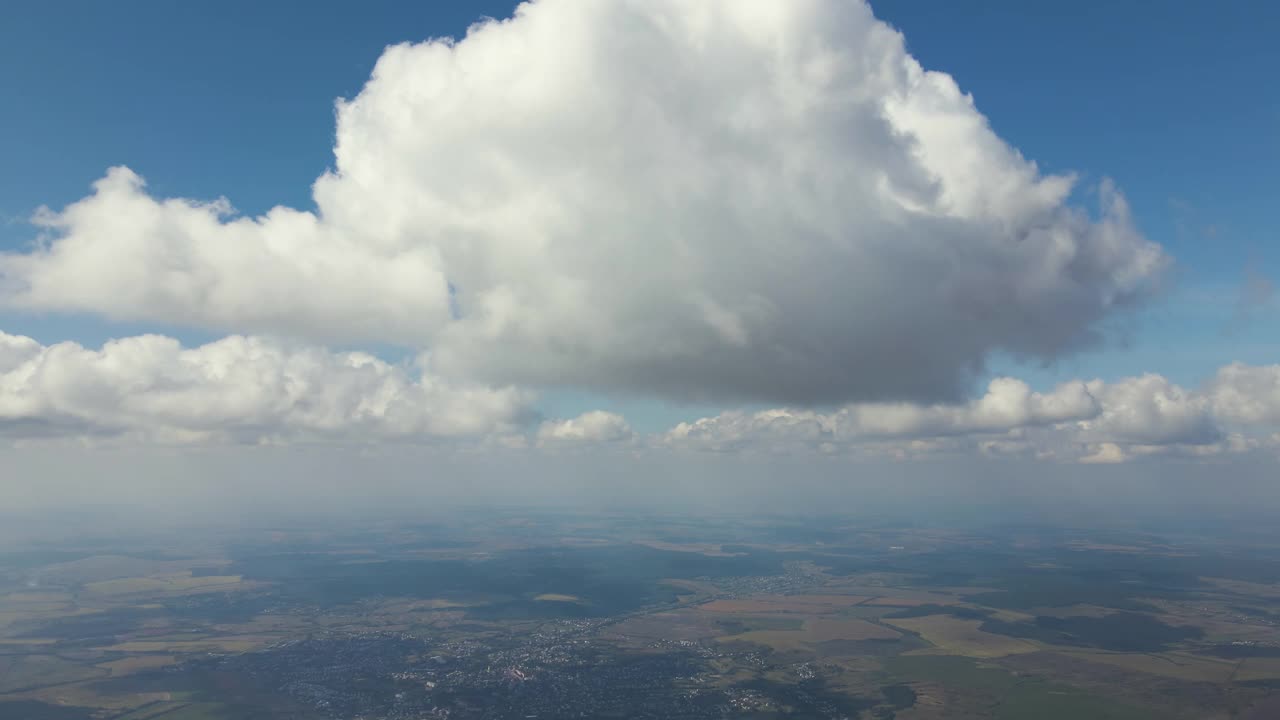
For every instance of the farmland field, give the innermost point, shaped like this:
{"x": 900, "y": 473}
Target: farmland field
{"x": 905, "y": 624}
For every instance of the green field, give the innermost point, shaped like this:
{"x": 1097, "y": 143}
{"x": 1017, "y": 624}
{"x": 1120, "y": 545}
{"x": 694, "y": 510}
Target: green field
{"x": 1012, "y": 697}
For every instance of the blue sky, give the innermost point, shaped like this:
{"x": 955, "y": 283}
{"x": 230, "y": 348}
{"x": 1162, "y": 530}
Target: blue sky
{"x": 1180, "y": 107}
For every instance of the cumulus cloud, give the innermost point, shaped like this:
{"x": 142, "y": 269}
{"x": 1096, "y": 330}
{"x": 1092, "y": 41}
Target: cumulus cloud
{"x": 1088, "y": 422}
{"x": 1106, "y": 453}
{"x": 123, "y": 254}
{"x": 736, "y": 429}
{"x": 722, "y": 200}
{"x": 238, "y": 389}
{"x": 1151, "y": 410}
{"x": 1007, "y": 405}
{"x": 597, "y": 426}
{"x": 1243, "y": 394}
{"x": 260, "y": 390}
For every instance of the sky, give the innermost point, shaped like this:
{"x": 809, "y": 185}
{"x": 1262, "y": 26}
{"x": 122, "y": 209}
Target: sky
{"x": 850, "y": 236}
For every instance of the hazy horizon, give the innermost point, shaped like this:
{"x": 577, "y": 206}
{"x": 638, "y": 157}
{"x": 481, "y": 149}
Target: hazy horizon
{"x": 812, "y": 256}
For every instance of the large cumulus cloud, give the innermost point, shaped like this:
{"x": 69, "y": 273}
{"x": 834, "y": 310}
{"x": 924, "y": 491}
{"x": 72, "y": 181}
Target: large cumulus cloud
{"x": 724, "y": 200}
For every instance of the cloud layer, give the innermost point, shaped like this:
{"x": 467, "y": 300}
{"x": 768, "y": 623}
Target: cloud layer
{"x": 261, "y": 391}
{"x": 238, "y": 389}
{"x": 1084, "y": 421}
{"x": 723, "y": 200}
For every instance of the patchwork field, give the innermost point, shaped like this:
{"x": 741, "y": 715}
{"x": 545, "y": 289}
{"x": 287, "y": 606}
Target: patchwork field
{"x": 556, "y": 597}
{"x": 1174, "y": 665}
{"x": 708, "y": 549}
{"x": 1253, "y": 669}
{"x": 25, "y": 672}
{"x": 959, "y": 636}
{"x": 802, "y": 604}
{"x": 813, "y": 631}
{"x": 138, "y": 663}
{"x": 230, "y": 643}
{"x": 676, "y": 625}
{"x": 906, "y": 602}
{"x": 164, "y": 585}
{"x": 956, "y": 628}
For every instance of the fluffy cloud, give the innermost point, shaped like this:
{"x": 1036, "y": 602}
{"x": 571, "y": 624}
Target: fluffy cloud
{"x": 734, "y": 430}
{"x": 725, "y": 200}
{"x": 123, "y": 254}
{"x": 260, "y": 390}
{"x": 239, "y": 389}
{"x": 1151, "y": 410}
{"x": 1089, "y": 422}
{"x": 590, "y": 427}
{"x": 1243, "y": 394}
{"x": 1008, "y": 404}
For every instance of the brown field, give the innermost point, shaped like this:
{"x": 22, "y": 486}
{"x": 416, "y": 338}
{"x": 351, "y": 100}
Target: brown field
{"x": 1153, "y": 549}
{"x": 956, "y": 636}
{"x": 906, "y": 602}
{"x": 677, "y": 625}
{"x": 1106, "y": 547}
{"x": 693, "y": 586}
{"x": 20, "y": 613}
{"x": 435, "y": 604}
{"x": 112, "y": 567}
{"x": 752, "y": 606}
{"x": 806, "y": 604}
{"x": 931, "y": 703}
{"x": 815, "y": 630}
{"x": 170, "y": 584}
{"x": 1174, "y": 665}
{"x": 1246, "y": 588}
{"x": 1072, "y": 611}
{"x": 1218, "y": 619}
{"x": 708, "y": 549}
{"x": 838, "y": 599}
{"x": 1013, "y": 616}
{"x": 1258, "y": 669}
{"x": 556, "y": 597}
{"x": 33, "y": 671}
{"x": 128, "y": 665}
{"x": 585, "y": 541}
{"x": 966, "y": 589}
{"x": 35, "y": 598}
{"x": 84, "y": 694}
{"x": 153, "y": 711}
{"x": 230, "y": 643}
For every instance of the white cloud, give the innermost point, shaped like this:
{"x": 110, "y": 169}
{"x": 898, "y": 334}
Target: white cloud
{"x": 238, "y": 389}
{"x": 724, "y": 200}
{"x": 1243, "y": 394}
{"x": 1007, "y": 405}
{"x": 258, "y": 390}
{"x": 596, "y": 426}
{"x": 779, "y": 428}
{"x": 1088, "y": 422}
{"x": 1105, "y": 454}
{"x": 1151, "y": 410}
{"x": 123, "y": 254}
{"x": 16, "y": 350}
